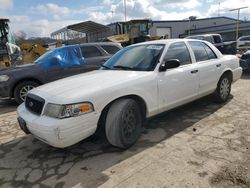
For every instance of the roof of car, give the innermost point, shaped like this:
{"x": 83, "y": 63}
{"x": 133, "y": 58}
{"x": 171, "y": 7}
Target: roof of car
{"x": 100, "y": 43}
{"x": 165, "y": 41}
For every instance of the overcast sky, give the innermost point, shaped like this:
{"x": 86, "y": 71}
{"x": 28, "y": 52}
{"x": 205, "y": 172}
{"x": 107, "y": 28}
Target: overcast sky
{"x": 41, "y": 17}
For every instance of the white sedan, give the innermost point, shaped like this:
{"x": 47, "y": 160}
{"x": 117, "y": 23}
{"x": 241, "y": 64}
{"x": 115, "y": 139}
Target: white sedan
{"x": 138, "y": 82}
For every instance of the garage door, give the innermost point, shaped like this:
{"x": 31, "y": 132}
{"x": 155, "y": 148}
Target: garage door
{"x": 162, "y": 31}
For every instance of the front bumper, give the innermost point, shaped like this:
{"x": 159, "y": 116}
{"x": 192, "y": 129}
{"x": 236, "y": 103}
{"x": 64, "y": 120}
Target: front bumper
{"x": 245, "y": 64}
{"x": 59, "y": 133}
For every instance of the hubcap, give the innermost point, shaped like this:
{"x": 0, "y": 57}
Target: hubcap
{"x": 224, "y": 88}
{"x": 24, "y": 90}
{"x": 129, "y": 123}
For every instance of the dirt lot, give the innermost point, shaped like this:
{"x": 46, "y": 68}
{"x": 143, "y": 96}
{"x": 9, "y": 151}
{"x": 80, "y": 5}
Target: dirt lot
{"x": 202, "y": 144}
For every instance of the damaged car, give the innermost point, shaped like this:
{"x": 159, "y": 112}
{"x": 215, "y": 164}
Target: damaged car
{"x": 58, "y": 63}
{"x": 138, "y": 82}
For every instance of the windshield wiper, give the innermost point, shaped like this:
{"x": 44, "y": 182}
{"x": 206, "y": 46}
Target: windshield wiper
{"x": 105, "y": 66}
{"x": 122, "y": 67}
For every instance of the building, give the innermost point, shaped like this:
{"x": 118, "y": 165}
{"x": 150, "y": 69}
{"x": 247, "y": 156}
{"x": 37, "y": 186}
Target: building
{"x": 171, "y": 29}
{"x": 90, "y": 31}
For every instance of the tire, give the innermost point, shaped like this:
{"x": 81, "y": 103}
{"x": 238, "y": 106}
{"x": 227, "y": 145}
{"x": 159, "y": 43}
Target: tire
{"x": 223, "y": 89}
{"x": 22, "y": 89}
{"x": 123, "y": 123}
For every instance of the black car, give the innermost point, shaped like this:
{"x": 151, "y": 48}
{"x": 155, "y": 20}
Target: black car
{"x": 245, "y": 61}
{"x": 59, "y": 63}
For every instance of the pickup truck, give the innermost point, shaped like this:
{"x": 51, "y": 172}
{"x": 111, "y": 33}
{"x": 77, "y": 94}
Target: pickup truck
{"x": 138, "y": 82}
{"x": 217, "y": 41}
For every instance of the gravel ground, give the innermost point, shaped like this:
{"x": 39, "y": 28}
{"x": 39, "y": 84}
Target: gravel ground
{"x": 202, "y": 144}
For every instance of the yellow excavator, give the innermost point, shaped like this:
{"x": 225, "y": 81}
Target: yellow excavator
{"x": 11, "y": 53}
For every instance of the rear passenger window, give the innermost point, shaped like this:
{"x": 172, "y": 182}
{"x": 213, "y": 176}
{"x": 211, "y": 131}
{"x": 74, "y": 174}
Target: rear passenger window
{"x": 210, "y": 52}
{"x": 110, "y": 49}
{"x": 199, "y": 51}
{"x": 90, "y": 51}
{"x": 178, "y": 51}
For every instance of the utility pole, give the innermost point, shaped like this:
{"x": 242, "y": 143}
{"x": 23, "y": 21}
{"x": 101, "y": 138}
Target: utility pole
{"x": 190, "y": 18}
{"x": 238, "y": 19}
{"x": 112, "y": 16}
{"x": 125, "y": 9}
{"x": 219, "y": 9}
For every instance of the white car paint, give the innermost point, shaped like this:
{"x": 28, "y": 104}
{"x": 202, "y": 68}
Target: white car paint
{"x": 161, "y": 91}
{"x": 243, "y": 42}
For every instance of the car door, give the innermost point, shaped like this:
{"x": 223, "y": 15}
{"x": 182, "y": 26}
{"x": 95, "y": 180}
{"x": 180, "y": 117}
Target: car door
{"x": 208, "y": 64}
{"x": 53, "y": 70}
{"x": 178, "y": 85}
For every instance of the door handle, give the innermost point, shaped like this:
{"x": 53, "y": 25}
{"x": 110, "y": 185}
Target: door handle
{"x": 194, "y": 71}
{"x": 218, "y": 65}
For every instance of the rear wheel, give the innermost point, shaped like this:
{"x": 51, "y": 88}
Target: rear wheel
{"x": 123, "y": 123}
{"x": 22, "y": 89}
{"x": 223, "y": 88}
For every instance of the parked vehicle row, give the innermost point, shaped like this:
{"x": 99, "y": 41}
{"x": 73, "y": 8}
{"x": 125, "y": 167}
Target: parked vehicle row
{"x": 138, "y": 82}
{"x": 243, "y": 42}
{"x": 59, "y": 63}
{"x": 217, "y": 41}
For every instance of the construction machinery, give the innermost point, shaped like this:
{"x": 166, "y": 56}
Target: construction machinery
{"x": 26, "y": 52}
{"x": 9, "y": 51}
{"x": 133, "y": 31}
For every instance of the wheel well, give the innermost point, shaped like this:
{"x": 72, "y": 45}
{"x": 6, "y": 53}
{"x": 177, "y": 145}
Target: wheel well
{"x": 104, "y": 112}
{"x": 229, "y": 74}
{"x": 23, "y": 80}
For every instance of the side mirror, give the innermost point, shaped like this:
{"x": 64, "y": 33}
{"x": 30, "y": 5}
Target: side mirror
{"x": 169, "y": 64}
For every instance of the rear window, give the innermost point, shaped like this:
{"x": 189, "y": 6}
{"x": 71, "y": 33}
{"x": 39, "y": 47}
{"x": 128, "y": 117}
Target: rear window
{"x": 199, "y": 51}
{"x": 90, "y": 51}
{"x": 110, "y": 49}
{"x": 210, "y": 52}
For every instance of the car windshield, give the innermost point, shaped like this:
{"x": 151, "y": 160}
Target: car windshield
{"x": 137, "y": 58}
{"x": 47, "y": 54}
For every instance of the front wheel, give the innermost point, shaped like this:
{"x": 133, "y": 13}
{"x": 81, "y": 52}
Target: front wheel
{"x": 223, "y": 89}
{"x": 123, "y": 123}
{"x": 22, "y": 89}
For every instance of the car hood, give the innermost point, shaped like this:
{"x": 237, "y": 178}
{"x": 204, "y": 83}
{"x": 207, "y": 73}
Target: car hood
{"x": 16, "y": 68}
{"x": 86, "y": 84}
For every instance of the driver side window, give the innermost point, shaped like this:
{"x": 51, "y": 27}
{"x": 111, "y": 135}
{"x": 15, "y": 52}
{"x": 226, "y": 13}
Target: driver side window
{"x": 178, "y": 51}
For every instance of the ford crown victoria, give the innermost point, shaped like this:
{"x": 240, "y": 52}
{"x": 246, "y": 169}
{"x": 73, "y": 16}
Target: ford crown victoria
{"x": 138, "y": 82}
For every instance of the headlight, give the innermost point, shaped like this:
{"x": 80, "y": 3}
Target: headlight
{"x": 4, "y": 78}
{"x": 70, "y": 110}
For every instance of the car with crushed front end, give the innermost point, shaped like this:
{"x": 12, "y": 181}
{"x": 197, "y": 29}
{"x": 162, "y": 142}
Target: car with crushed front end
{"x": 58, "y": 63}
{"x": 138, "y": 82}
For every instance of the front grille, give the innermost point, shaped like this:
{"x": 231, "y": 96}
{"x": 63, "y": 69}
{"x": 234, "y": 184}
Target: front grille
{"x": 34, "y": 103}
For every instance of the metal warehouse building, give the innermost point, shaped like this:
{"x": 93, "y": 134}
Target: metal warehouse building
{"x": 172, "y": 29}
